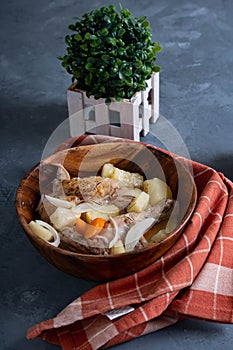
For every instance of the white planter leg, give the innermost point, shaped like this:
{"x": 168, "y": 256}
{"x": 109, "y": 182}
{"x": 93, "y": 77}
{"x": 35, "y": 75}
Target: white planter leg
{"x": 155, "y": 97}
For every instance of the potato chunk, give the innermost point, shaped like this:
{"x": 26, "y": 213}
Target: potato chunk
{"x": 40, "y": 231}
{"x": 118, "y": 248}
{"x": 157, "y": 190}
{"x": 159, "y": 236}
{"x": 63, "y": 217}
{"x": 139, "y": 203}
{"x": 107, "y": 170}
{"x": 133, "y": 179}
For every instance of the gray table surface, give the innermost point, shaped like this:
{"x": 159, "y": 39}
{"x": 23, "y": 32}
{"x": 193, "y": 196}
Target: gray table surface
{"x": 196, "y": 97}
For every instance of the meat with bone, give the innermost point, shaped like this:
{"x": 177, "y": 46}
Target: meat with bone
{"x": 92, "y": 188}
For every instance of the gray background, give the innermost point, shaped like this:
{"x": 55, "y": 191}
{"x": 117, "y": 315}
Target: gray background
{"x": 196, "y": 97}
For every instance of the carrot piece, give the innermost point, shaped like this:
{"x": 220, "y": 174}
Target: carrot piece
{"x": 81, "y": 226}
{"x": 98, "y": 222}
{"x": 90, "y": 230}
{"x": 95, "y": 227}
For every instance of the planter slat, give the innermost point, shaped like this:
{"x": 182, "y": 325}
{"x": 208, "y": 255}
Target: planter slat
{"x": 155, "y": 97}
{"x": 90, "y": 115}
{"x": 146, "y": 108}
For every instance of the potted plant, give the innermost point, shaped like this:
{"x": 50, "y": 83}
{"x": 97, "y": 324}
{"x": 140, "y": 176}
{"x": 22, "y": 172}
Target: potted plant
{"x": 110, "y": 55}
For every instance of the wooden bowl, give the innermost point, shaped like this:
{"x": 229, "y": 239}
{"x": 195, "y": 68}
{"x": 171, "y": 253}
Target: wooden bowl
{"x": 86, "y": 161}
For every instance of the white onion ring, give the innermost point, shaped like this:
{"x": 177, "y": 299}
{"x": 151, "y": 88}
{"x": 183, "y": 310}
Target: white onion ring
{"x": 57, "y": 202}
{"x": 55, "y": 234}
{"x": 116, "y": 234}
{"x": 82, "y": 208}
{"x": 136, "y": 232}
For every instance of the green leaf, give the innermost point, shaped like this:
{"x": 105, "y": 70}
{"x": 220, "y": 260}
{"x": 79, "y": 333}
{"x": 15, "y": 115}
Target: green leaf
{"x": 71, "y": 27}
{"x": 128, "y": 80}
{"x": 88, "y": 66}
{"x": 126, "y": 13}
{"x": 107, "y": 19}
{"x": 102, "y": 89}
{"x": 116, "y": 84}
{"x": 145, "y": 24}
{"x": 156, "y": 69}
{"x": 88, "y": 79}
{"x": 115, "y": 69}
{"x": 108, "y": 100}
{"x": 84, "y": 47}
{"x": 88, "y": 36}
{"x": 141, "y": 19}
{"x": 121, "y": 32}
{"x": 157, "y": 47}
{"x": 95, "y": 43}
{"x": 105, "y": 57}
{"x": 112, "y": 41}
{"x": 112, "y": 17}
{"x": 104, "y": 32}
{"x": 121, "y": 51}
{"x": 112, "y": 8}
{"x": 78, "y": 37}
{"x": 68, "y": 39}
{"x": 138, "y": 64}
{"x": 121, "y": 76}
{"x": 64, "y": 64}
{"x": 105, "y": 75}
{"x": 127, "y": 72}
{"x": 118, "y": 98}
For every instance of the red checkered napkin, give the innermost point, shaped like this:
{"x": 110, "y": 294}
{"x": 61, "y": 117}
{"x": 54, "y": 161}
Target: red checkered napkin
{"x": 193, "y": 279}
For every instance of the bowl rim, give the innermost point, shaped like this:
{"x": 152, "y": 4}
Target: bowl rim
{"x": 41, "y": 242}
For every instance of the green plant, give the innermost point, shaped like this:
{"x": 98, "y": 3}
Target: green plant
{"x": 110, "y": 54}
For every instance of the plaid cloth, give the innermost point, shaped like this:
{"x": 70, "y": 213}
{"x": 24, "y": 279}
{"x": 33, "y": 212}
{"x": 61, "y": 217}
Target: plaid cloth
{"x": 194, "y": 279}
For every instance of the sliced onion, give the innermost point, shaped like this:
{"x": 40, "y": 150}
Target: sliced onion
{"x": 82, "y": 208}
{"x": 57, "y": 202}
{"x": 109, "y": 209}
{"x": 136, "y": 232}
{"x": 56, "y": 237}
{"x": 116, "y": 233}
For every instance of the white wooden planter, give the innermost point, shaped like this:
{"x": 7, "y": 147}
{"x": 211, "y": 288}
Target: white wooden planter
{"x": 125, "y": 119}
